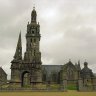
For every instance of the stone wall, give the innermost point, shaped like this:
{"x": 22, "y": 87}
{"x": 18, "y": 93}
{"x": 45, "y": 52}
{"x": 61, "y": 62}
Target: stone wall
{"x": 82, "y": 86}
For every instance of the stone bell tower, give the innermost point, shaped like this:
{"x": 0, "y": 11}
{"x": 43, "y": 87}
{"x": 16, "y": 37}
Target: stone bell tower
{"x": 32, "y": 56}
{"x": 27, "y": 71}
{"x": 32, "y": 53}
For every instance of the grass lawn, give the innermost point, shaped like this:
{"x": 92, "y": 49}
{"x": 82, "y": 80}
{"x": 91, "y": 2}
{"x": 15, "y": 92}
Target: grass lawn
{"x": 69, "y": 93}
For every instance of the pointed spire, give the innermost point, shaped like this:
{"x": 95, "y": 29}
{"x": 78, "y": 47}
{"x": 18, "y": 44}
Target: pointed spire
{"x": 79, "y": 67}
{"x": 69, "y": 60}
{"x": 79, "y": 62}
{"x": 18, "y": 53}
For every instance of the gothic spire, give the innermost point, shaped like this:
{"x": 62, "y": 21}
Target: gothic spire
{"x": 79, "y": 62}
{"x": 79, "y": 67}
{"x": 18, "y": 53}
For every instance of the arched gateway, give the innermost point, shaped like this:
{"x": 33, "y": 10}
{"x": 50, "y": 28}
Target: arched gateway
{"x": 25, "y": 79}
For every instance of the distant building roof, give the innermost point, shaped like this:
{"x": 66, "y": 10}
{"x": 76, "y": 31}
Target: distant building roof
{"x": 2, "y": 71}
{"x": 52, "y": 68}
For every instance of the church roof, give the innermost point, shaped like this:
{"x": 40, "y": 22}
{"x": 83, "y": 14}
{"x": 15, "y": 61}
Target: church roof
{"x": 52, "y": 68}
{"x": 2, "y": 71}
{"x": 69, "y": 64}
{"x": 86, "y": 69}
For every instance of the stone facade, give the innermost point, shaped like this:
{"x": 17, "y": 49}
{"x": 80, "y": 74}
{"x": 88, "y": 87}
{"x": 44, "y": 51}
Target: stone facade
{"x": 69, "y": 71}
{"x": 27, "y": 71}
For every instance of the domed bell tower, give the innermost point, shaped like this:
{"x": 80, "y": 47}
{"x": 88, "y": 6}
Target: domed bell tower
{"x": 32, "y": 53}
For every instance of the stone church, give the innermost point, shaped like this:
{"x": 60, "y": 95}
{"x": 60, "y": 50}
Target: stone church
{"x": 29, "y": 71}
{"x": 69, "y": 71}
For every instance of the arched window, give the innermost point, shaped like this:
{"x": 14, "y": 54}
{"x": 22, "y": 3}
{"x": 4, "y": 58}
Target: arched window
{"x": 70, "y": 73}
{"x": 32, "y": 32}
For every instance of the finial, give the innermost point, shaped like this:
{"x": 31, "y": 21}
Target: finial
{"x": 78, "y": 61}
{"x": 69, "y": 59}
{"x": 20, "y": 33}
{"x": 34, "y": 7}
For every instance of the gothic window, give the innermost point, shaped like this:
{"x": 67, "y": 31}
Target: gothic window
{"x": 70, "y": 73}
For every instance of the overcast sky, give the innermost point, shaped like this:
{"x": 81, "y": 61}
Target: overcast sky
{"x": 68, "y": 30}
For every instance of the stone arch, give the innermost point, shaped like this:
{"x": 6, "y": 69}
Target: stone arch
{"x": 25, "y": 79}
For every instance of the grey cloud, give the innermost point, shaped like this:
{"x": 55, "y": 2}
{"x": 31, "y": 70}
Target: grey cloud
{"x": 67, "y": 29}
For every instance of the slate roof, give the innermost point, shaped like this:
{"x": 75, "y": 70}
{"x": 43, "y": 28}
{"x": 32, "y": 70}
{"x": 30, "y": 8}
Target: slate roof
{"x": 2, "y": 71}
{"x": 86, "y": 69}
{"x": 52, "y": 68}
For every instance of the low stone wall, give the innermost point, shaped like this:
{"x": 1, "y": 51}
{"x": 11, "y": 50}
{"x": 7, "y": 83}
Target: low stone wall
{"x": 86, "y": 87}
{"x": 47, "y": 87}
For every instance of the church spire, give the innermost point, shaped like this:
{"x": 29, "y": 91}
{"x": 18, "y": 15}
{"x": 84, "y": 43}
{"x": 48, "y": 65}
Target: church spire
{"x": 33, "y": 15}
{"x": 79, "y": 67}
{"x": 18, "y": 53}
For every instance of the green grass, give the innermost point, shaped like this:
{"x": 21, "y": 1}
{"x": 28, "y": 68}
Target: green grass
{"x": 72, "y": 87}
{"x": 69, "y": 93}
{"x": 54, "y": 86}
